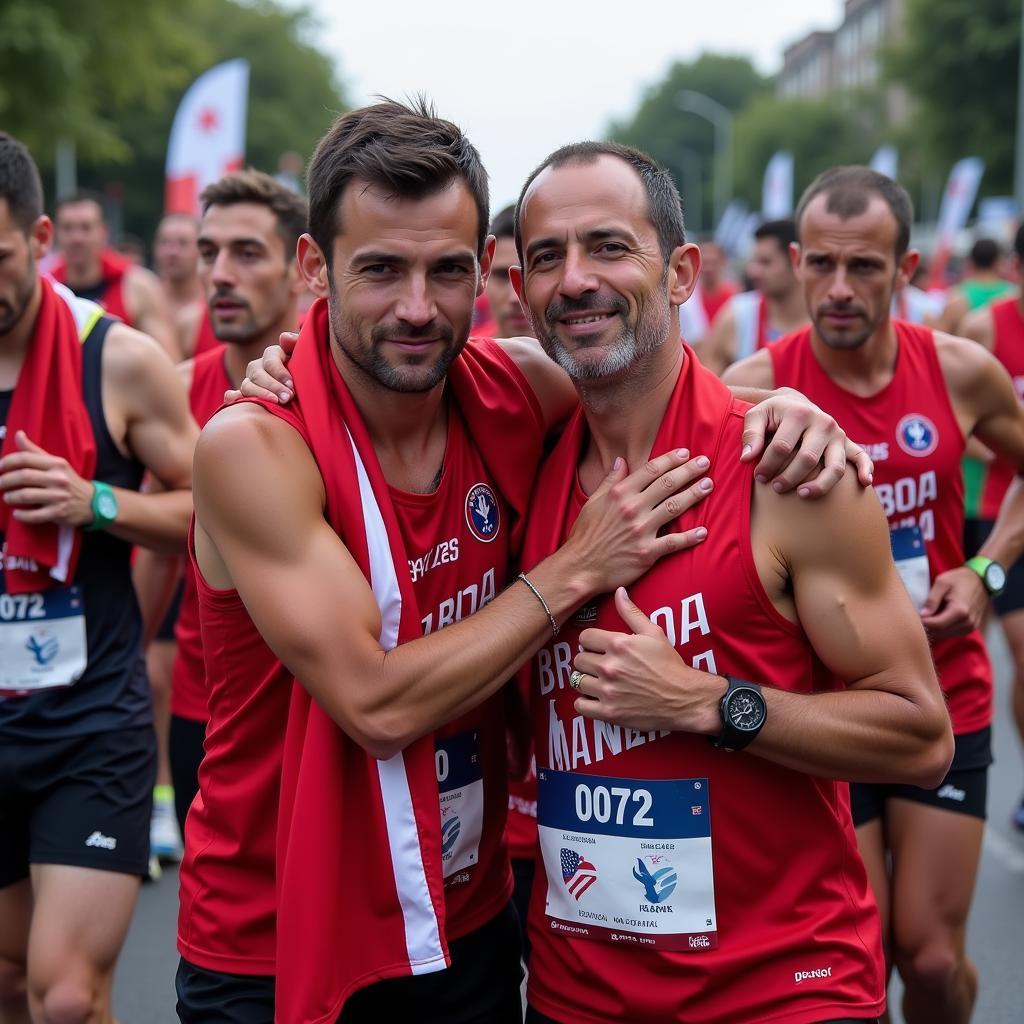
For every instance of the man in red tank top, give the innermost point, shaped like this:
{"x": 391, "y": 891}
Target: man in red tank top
{"x": 684, "y": 881}
{"x": 442, "y": 438}
{"x": 250, "y": 227}
{"x": 94, "y": 271}
{"x": 1000, "y": 328}
{"x": 911, "y": 396}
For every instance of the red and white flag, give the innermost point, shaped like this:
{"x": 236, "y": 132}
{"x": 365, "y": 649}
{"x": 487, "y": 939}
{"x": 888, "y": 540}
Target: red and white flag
{"x": 957, "y": 200}
{"x": 208, "y": 134}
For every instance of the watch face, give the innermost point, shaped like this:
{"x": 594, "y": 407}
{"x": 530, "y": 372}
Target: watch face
{"x": 107, "y": 506}
{"x": 995, "y": 576}
{"x": 746, "y": 710}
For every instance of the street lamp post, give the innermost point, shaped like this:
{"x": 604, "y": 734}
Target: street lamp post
{"x": 721, "y": 120}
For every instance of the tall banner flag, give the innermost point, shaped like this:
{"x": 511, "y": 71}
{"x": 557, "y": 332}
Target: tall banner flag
{"x": 886, "y": 161}
{"x": 208, "y": 134}
{"x": 777, "y": 193}
{"x": 727, "y": 232}
{"x": 957, "y": 200}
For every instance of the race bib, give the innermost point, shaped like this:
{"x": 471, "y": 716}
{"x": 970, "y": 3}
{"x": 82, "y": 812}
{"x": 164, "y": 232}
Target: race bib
{"x": 628, "y": 860}
{"x": 911, "y": 558}
{"x": 42, "y": 639}
{"x": 461, "y": 788}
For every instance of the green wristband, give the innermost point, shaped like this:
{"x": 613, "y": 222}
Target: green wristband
{"x": 104, "y": 506}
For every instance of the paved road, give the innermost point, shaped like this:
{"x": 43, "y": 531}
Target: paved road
{"x": 144, "y": 988}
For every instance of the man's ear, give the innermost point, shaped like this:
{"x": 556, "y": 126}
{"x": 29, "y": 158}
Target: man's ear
{"x": 40, "y": 237}
{"x": 683, "y": 272}
{"x": 312, "y": 265}
{"x": 485, "y": 264}
{"x": 907, "y": 267}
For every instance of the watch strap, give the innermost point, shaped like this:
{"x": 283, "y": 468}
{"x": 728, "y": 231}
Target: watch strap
{"x": 980, "y": 565}
{"x": 731, "y": 738}
{"x": 101, "y": 494}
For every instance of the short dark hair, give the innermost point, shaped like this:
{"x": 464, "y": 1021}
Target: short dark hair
{"x": 404, "y": 149}
{"x": 848, "y": 190}
{"x": 504, "y": 223}
{"x": 83, "y": 195}
{"x": 783, "y": 231}
{"x": 251, "y": 186}
{"x": 985, "y": 253}
{"x": 664, "y": 206}
{"x": 20, "y": 183}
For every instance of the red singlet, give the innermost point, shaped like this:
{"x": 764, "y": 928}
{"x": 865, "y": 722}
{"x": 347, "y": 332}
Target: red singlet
{"x": 188, "y": 687}
{"x": 457, "y": 540}
{"x": 1008, "y": 335}
{"x": 910, "y": 430}
{"x": 680, "y": 882}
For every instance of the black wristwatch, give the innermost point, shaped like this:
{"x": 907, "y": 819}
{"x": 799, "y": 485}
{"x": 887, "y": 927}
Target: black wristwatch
{"x": 743, "y": 711}
{"x": 993, "y": 575}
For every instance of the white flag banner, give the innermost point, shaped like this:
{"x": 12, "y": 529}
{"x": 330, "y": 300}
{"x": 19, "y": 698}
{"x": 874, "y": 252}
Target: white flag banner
{"x": 957, "y": 200}
{"x": 886, "y": 161}
{"x": 777, "y": 193}
{"x": 208, "y": 134}
{"x": 727, "y": 232}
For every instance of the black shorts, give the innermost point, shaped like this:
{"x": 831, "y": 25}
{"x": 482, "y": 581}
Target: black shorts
{"x": 976, "y": 532}
{"x": 964, "y": 790}
{"x": 185, "y": 749}
{"x": 534, "y": 1017}
{"x": 482, "y": 986}
{"x": 84, "y": 801}
{"x": 211, "y": 997}
{"x": 165, "y": 633}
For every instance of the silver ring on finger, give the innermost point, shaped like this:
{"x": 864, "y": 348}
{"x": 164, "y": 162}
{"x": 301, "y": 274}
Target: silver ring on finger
{"x": 575, "y": 678}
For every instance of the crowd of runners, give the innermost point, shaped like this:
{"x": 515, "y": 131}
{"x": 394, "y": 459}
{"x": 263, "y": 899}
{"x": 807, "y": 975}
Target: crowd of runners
{"x": 545, "y": 595}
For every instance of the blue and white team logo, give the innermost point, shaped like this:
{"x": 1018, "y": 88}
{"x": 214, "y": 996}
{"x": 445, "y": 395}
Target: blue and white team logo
{"x": 482, "y": 515}
{"x": 43, "y": 647}
{"x": 450, "y": 830}
{"x": 916, "y": 435}
{"x": 657, "y": 876}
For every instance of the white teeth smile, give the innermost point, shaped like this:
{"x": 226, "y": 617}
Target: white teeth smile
{"x": 587, "y": 319}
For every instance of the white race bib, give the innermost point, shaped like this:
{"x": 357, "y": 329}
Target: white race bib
{"x": 911, "y": 558}
{"x": 628, "y": 860}
{"x": 42, "y": 639}
{"x": 461, "y": 788}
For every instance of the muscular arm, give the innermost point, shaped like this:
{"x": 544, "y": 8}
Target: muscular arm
{"x": 890, "y": 723}
{"x": 142, "y": 385}
{"x": 315, "y": 609}
{"x": 148, "y": 308}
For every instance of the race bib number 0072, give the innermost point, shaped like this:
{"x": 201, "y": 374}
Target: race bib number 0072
{"x": 628, "y": 860}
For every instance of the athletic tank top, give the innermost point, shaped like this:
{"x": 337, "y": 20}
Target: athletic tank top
{"x": 1008, "y": 335}
{"x": 205, "y": 339}
{"x": 681, "y": 882}
{"x": 110, "y": 295}
{"x": 113, "y": 692}
{"x": 226, "y": 918}
{"x": 753, "y": 332}
{"x": 457, "y": 541}
{"x": 981, "y": 293}
{"x": 910, "y": 430}
{"x": 188, "y": 688}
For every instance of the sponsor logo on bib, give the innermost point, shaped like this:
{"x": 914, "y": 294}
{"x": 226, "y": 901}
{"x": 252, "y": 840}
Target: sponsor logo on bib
{"x": 657, "y": 876}
{"x": 577, "y": 872}
{"x": 43, "y": 647}
{"x": 917, "y": 435}
{"x": 482, "y": 515}
{"x": 449, "y": 833}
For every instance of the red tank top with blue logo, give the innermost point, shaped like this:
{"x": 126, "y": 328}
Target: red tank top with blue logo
{"x": 677, "y": 881}
{"x": 457, "y": 542}
{"x": 911, "y": 432}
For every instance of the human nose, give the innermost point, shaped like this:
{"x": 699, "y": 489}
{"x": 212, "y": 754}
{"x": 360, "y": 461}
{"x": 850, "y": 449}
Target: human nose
{"x": 417, "y": 305}
{"x": 577, "y": 276}
{"x": 839, "y": 289}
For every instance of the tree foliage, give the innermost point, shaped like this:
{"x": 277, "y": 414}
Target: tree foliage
{"x": 819, "y": 133}
{"x": 682, "y": 141}
{"x": 111, "y": 73}
{"x": 960, "y": 63}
